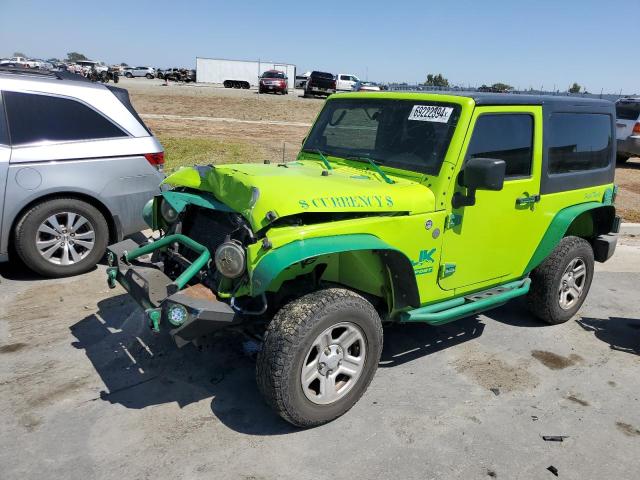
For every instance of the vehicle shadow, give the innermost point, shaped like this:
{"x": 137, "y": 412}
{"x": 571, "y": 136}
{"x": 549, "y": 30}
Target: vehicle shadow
{"x": 405, "y": 343}
{"x": 142, "y": 369}
{"x": 622, "y": 334}
{"x": 17, "y": 271}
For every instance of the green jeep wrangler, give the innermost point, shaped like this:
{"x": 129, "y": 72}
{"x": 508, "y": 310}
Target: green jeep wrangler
{"x": 399, "y": 208}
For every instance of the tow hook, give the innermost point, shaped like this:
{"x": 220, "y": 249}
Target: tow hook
{"x": 153, "y": 317}
{"x": 112, "y": 273}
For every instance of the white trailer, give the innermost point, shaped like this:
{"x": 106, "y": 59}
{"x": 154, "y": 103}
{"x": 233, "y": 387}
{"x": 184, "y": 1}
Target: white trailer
{"x": 239, "y": 73}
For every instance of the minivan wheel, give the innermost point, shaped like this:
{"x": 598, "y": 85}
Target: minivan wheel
{"x": 559, "y": 286}
{"x": 61, "y": 237}
{"x": 319, "y": 355}
{"x": 149, "y": 76}
{"x": 128, "y": 75}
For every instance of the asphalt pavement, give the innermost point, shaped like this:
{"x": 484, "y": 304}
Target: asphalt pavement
{"x": 86, "y": 391}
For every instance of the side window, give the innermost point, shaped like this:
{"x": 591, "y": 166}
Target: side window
{"x": 579, "y": 142}
{"x": 4, "y": 134}
{"x": 345, "y": 77}
{"x": 507, "y": 137}
{"x": 36, "y": 118}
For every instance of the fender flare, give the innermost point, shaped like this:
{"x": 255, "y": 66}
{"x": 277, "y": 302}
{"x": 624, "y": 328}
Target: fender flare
{"x": 558, "y": 228}
{"x": 402, "y": 276}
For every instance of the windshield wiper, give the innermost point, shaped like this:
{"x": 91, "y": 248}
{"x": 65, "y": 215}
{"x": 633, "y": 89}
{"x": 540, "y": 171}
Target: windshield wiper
{"x": 322, "y": 157}
{"x": 374, "y": 165}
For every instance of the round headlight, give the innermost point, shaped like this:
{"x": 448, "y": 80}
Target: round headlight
{"x": 230, "y": 259}
{"x": 168, "y": 212}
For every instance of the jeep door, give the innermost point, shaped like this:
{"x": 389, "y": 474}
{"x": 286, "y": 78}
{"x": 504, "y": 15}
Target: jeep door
{"x": 492, "y": 241}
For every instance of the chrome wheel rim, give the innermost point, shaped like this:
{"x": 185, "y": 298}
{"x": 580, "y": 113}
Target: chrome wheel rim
{"x": 65, "y": 238}
{"x": 572, "y": 283}
{"x": 334, "y": 363}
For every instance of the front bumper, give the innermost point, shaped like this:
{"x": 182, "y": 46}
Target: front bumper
{"x": 160, "y": 296}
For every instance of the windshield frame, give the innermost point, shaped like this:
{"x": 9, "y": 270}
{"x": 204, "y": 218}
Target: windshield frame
{"x": 323, "y": 120}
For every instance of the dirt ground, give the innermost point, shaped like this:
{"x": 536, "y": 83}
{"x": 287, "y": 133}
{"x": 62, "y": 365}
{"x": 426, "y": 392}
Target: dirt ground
{"x": 261, "y": 141}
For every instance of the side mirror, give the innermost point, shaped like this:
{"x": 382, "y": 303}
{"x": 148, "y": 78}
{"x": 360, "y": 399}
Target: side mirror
{"x": 479, "y": 174}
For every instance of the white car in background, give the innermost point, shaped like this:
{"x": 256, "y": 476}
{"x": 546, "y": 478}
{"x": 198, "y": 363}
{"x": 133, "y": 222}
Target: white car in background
{"x": 148, "y": 72}
{"x": 628, "y": 128}
{"x": 346, "y": 82}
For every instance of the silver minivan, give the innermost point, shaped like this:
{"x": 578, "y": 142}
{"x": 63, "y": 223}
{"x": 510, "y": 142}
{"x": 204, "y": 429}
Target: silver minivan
{"x": 77, "y": 166}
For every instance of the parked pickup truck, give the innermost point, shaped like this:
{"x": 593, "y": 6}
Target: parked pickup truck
{"x": 345, "y": 82}
{"x": 320, "y": 83}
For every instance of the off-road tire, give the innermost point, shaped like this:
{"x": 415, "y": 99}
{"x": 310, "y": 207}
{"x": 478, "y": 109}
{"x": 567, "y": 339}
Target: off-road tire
{"x": 543, "y": 297}
{"x": 287, "y": 340}
{"x": 25, "y": 236}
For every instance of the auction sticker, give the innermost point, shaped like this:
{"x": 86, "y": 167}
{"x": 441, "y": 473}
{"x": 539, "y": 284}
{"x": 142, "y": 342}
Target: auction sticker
{"x": 430, "y": 113}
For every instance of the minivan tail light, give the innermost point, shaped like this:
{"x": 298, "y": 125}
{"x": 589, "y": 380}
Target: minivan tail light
{"x": 155, "y": 159}
{"x": 636, "y": 129}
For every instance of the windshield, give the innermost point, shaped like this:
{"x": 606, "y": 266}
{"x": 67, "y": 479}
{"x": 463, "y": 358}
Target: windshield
{"x": 409, "y": 134}
{"x": 628, "y": 110}
{"x": 273, "y": 75}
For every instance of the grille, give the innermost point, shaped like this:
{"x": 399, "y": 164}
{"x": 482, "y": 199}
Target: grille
{"x": 207, "y": 227}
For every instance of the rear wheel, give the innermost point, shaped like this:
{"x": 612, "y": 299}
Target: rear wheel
{"x": 319, "y": 355}
{"x": 128, "y": 75}
{"x": 621, "y": 159}
{"x": 561, "y": 283}
{"x": 61, "y": 237}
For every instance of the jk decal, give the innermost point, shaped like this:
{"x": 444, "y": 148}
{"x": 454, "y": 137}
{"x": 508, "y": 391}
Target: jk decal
{"x": 421, "y": 266}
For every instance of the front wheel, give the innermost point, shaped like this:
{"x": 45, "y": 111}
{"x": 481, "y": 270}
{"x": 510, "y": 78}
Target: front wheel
{"x": 561, "y": 283}
{"x": 319, "y": 355}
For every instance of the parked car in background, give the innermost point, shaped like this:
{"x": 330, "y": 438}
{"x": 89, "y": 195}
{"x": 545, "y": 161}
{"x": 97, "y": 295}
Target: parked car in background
{"x": 345, "y": 82}
{"x": 79, "y": 166}
{"x": 628, "y": 128}
{"x": 366, "y": 87}
{"x": 18, "y": 62}
{"x": 148, "y": 72}
{"x": 89, "y": 65}
{"x": 320, "y": 83}
{"x": 273, "y": 81}
{"x": 301, "y": 80}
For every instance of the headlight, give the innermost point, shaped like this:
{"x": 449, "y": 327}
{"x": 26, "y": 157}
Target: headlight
{"x": 230, "y": 259}
{"x": 168, "y": 212}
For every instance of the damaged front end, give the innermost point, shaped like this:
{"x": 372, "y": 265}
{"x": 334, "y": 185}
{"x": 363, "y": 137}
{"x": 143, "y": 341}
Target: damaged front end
{"x": 187, "y": 279}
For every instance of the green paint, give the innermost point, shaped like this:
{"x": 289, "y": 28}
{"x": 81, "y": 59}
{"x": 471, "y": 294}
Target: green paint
{"x": 154, "y": 316}
{"x": 273, "y": 263}
{"x": 163, "y": 242}
{"x": 448, "y": 311}
{"x": 179, "y": 200}
{"x": 556, "y": 231}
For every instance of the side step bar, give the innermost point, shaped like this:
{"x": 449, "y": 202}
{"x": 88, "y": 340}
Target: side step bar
{"x": 454, "y": 309}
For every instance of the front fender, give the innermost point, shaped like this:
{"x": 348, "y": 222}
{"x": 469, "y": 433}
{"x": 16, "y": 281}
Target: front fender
{"x": 402, "y": 277}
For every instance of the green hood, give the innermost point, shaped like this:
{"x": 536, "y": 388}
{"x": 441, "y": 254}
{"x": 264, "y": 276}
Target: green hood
{"x": 253, "y": 190}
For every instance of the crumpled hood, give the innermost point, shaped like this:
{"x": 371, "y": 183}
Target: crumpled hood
{"x": 263, "y": 192}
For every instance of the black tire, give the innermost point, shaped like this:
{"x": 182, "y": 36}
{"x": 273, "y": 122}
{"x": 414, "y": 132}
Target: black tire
{"x": 128, "y": 75}
{"x": 149, "y": 76}
{"x": 621, "y": 159}
{"x": 543, "y": 298}
{"x": 290, "y": 336}
{"x": 25, "y": 234}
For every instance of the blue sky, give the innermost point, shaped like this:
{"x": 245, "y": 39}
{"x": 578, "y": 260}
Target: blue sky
{"x": 524, "y": 44}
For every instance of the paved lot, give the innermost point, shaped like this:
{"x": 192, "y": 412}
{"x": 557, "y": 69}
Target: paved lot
{"x": 87, "y": 392}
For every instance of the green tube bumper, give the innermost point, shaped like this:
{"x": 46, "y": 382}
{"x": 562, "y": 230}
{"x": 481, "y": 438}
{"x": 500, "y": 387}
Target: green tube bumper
{"x": 163, "y": 299}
